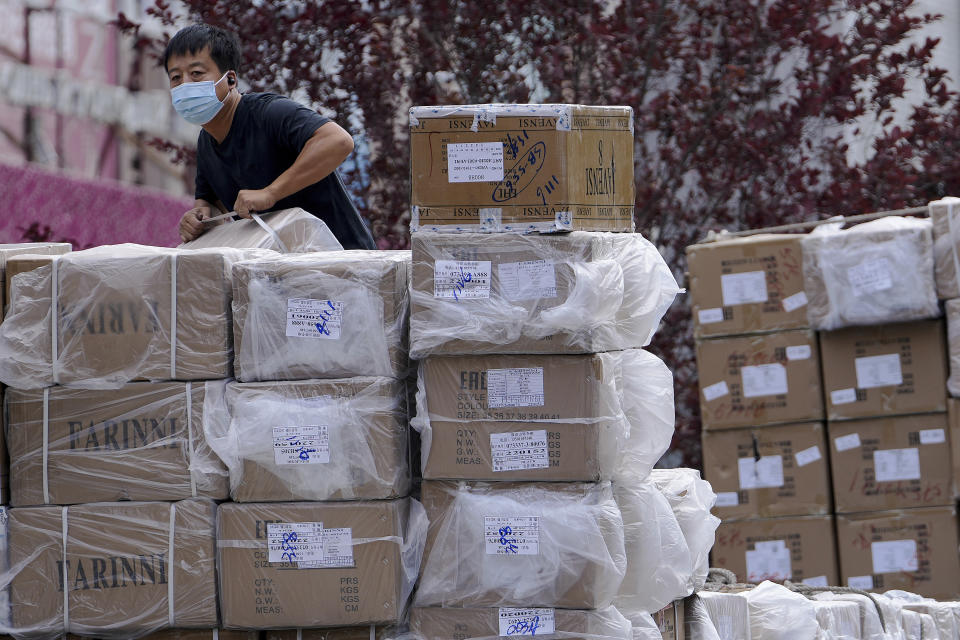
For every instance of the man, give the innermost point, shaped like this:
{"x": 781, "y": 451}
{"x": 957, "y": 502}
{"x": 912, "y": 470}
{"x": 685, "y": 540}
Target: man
{"x": 256, "y": 151}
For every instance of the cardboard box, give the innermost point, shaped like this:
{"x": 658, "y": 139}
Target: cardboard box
{"x": 195, "y": 634}
{"x": 334, "y": 314}
{"x": 580, "y": 292}
{"x": 799, "y": 549}
{"x": 670, "y": 621}
{"x": 891, "y": 463}
{"x": 953, "y": 416}
{"x": 357, "y": 566}
{"x": 910, "y": 549}
{"x": 544, "y": 417}
{"x": 365, "y": 632}
{"x": 745, "y": 285}
{"x": 765, "y": 472}
{"x": 139, "y": 442}
{"x": 290, "y": 231}
{"x": 749, "y": 381}
{"x": 117, "y": 565}
{"x": 439, "y": 623}
{"x": 8, "y": 251}
{"x": 497, "y": 543}
{"x": 884, "y": 370}
{"x": 714, "y": 613}
{"x": 115, "y": 306}
{"x": 354, "y": 447}
{"x": 537, "y": 167}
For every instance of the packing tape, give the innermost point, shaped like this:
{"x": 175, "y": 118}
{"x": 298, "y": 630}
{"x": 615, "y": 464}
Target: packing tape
{"x": 216, "y": 634}
{"x": 54, "y": 318}
{"x": 373, "y": 632}
{"x": 299, "y": 633}
{"x": 66, "y": 588}
{"x": 46, "y": 445}
{"x": 173, "y": 317}
{"x": 170, "y": 566}
{"x": 270, "y": 232}
{"x": 193, "y": 480}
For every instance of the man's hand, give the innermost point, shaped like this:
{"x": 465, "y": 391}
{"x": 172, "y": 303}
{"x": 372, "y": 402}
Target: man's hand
{"x": 190, "y": 223}
{"x": 253, "y": 200}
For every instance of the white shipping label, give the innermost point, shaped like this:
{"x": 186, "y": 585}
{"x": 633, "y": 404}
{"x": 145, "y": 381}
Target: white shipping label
{"x": 870, "y": 276}
{"x": 710, "y": 316}
{"x": 892, "y": 556}
{"x": 301, "y": 445}
{"x": 767, "y": 472}
{"x": 769, "y": 560}
{"x": 891, "y": 465}
{"x": 807, "y": 456}
{"x": 512, "y": 535}
{"x": 515, "y": 387}
{"x": 727, "y": 499}
{"x": 849, "y": 441}
{"x": 461, "y": 280}
{"x": 475, "y": 162}
{"x": 864, "y": 583}
{"x": 879, "y": 371}
{"x": 307, "y": 318}
{"x": 799, "y": 352}
{"x": 764, "y": 380}
{"x": 794, "y": 302}
{"x": 716, "y": 390}
{"x": 519, "y": 450}
{"x": 843, "y": 396}
{"x": 815, "y": 581}
{"x": 295, "y": 542}
{"x": 531, "y": 280}
{"x": 743, "y": 288}
{"x": 932, "y": 436}
{"x": 526, "y": 622}
{"x": 337, "y": 550}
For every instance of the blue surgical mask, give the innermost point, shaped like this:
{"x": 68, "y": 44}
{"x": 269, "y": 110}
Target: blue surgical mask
{"x": 197, "y": 102}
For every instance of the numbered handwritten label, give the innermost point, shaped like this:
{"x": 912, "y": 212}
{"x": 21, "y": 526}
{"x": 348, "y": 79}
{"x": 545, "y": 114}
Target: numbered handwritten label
{"x": 764, "y": 380}
{"x": 894, "y": 556}
{"x": 879, "y": 371}
{"x": 337, "y": 550}
{"x": 870, "y": 276}
{"x": 475, "y": 162}
{"x": 519, "y": 450}
{"x": 531, "y": 280}
{"x": 512, "y": 535}
{"x": 461, "y": 280}
{"x": 526, "y": 622}
{"x": 301, "y": 445}
{"x": 295, "y": 542}
{"x": 521, "y": 387}
{"x": 893, "y": 465}
{"x": 308, "y": 318}
{"x": 743, "y": 288}
{"x": 769, "y": 560}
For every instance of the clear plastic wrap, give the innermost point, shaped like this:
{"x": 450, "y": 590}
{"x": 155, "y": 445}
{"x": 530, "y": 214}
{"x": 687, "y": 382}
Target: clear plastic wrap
{"x": 728, "y": 613}
{"x": 944, "y": 616}
{"x": 582, "y": 292}
{"x": 438, "y": 623}
{"x": 143, "y": 441}
{"x": 912, "y": 624}
{"x": 646, "y": 628}
{"x": 544, "y": 417}
{"x": 872, "y": 625}
{"x": 321, "y": 315}
{"x": 286, "y": 231}
{"x": 311, "y": 440}
{"x": 365, "y": 632}
{"x": 838, "y": 620}
{"x": 699, "y": 626}
{"x": 130, "y": 568}
{"x": 776, "y": 613}
{"x": 8, "y": 251}
{"x": 945, "y": 217}
{"x": 521, "y": 545}
{"x": 952, "y": 311}
{"x": 125, "y": 312}
{"x": 878, "y": 272}
{"x": 316, "y": 564}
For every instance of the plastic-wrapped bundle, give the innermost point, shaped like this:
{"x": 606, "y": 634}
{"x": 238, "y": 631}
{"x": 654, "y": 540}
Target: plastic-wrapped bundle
{"x": 872, "y": 626}
{"x": 521, "y": 544}
{"x": 286, "y": 231}
{"x": 944, "y": 616}
{"x": 544, "y": 417}
{"x": 728, "y": 614}
{"x": 438, "y": 623}
{"x": 111, "y": 569}
{"x": 8, "y": 251}
{"x": 124, "y": 312}
{"x": 366, "y": 632}
{"x": 952, "y": 309}
{"x": 945, "y": 217}
{"x": 321, "y": 315}
{"x": 838, "y": 620}
{"x": 914, "y": 626}
{"x": 581, "y": 292}
{"x": 691, "y": 498}
{"x": 143, "y": 441}
{"x": 369, "y": 553}
{"x": 311, "y": 440}
{"x": 878, "y": 272}
{"x": 776, "y": 613}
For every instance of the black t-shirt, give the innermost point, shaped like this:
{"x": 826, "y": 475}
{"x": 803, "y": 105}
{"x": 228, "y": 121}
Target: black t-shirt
{"x": 266, "y": 136}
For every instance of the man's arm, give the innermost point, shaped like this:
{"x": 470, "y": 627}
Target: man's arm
{"x": 326, "y": 149}
{"x": 190, "y": 222}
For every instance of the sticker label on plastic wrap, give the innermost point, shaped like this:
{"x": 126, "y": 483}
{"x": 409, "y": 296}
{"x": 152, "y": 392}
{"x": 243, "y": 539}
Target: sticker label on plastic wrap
{"x": 295, "y": 541}
{"x": 843, "y": 396}
{"x": 337, "y": 550}
{"x": 891, "y": 465}
{"x": 526, "y": 622}
{"x": 301, "y": 445}
{"x": 864, "y": 583}
{"x": 491, "y": 219}
{"x": 307, "y": 318}
{"x": 769, "y": 560}
{"x": 767, "y": 472}
{"x": 892, "y": 556}
{"x": 794, "y": 302}
{"x": 714, "y": 391}
{"x": 849, "y": 441}
{"x": 461, "y": 280}
{"x": 512, "y": 535}
{"x": 764, "y": 380}
{"x": 529, "y": 280}
{"x": 743, "y": 288}
{"x": 519, "y": 450}
{"x": 475, "y": 162}
{"x": 870, "y": 276}
{"x": 879, "y": 371}
{"x": 932, "y": 436}
{"x": 727, "y": 499}
{"x": 808, "y": 456}
{"x": 815, "y": 581}
{"x": 710, "y": 316}
{"x": 799, "y": 352}
{"x": 515, "y": 387}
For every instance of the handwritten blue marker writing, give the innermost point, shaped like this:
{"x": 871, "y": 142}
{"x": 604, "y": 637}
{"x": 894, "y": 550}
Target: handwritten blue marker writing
{"x": 508, "y": 543}
{"x": 461, "y": 283}
{"x": 524, "y": 627}
{"x": 305, "y": 453}
{"x": 326, "y": 315}
{"x": 289, "y": 551}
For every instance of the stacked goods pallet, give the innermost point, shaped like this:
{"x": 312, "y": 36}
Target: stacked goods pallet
{"x": 540, "y": 416}
{"x": 764, "y": 442}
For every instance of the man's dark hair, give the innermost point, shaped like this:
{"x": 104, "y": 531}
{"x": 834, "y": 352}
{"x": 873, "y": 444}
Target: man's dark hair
{"x": 224, "y": 45}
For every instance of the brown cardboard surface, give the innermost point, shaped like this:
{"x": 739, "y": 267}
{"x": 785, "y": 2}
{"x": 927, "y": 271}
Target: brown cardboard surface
{"x": 745, "y": 285}
{"x": 132, "y": 443}
{"x": 117, "y": 567}
{"x": 878, "y": 548}
{"x": 580, "y": 163}
{"x": 791, "y": 476}
{"x": 440, "y": 623}
{"x": 913, "y": 454}
{"x": 783, "y": 382}
{"x": 809, "y": 541}
{"x": 193, "y": 634}
{"x": 338, "y": 633}
{"x": 22, "y": 263}
{"x": 8, "y": 251}
{"x": 914, "y": 350}
{"x": 670, "y": 621}
{"x": 953, "y": 416}
{"x": 258, "y": 594}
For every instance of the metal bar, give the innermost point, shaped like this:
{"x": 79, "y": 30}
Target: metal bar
{"x": 863, "y": 217}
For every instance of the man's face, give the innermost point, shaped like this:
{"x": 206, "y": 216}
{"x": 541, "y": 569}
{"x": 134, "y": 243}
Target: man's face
{"x": 196, "y": 67}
